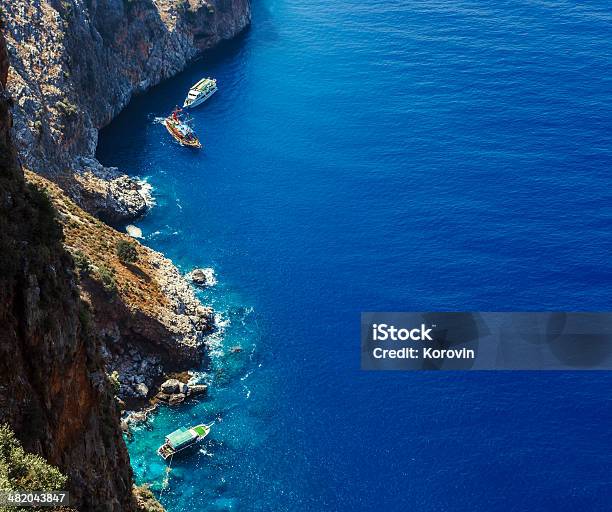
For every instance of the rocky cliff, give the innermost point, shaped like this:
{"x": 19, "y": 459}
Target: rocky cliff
{"x": 54, "y": 392}
{"x": 76, "y": 64}
{"x": 145, "y": 311}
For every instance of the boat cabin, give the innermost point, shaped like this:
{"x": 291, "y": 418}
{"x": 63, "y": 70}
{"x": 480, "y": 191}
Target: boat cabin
{"x": 183, "y": 438}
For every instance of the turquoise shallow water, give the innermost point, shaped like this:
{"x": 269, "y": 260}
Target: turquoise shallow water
{"x": 394, "y": 155}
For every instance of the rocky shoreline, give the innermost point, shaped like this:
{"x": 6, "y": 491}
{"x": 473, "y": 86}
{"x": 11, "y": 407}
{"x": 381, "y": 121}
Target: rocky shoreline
{"x": 102, "y": 329}
{"x": 148, "y": 317}
{"x": 172, "y": 391}
{"x": 75, "y": 67}
{"x": 140, "y": 369}
{"x": 108, "y": 194}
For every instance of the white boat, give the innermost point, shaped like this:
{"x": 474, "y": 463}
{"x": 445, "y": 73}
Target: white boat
{"x": 183, "y": 438}
{"x": 200, "y": 92}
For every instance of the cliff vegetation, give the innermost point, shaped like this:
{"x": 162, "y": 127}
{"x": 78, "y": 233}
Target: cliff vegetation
{"x": 145, "y": 311}
{"x": 87, "y": 314}
{"x": 76, "y": 64}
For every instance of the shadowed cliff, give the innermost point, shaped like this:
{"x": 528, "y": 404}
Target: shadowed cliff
{"x": 53, "y": 391}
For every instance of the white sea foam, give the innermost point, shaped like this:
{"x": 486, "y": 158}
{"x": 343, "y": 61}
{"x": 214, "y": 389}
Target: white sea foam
{"x": 204, "y": 451}
{"x": 220, "y": 321}
{"x": 215, "y": 340}
{"x": 199, "y": 378}
{"x": 146, "y": 191}
{"x": 163, "y": 234}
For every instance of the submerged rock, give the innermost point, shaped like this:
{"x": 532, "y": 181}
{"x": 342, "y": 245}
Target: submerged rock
{"x": 198, "y": 389}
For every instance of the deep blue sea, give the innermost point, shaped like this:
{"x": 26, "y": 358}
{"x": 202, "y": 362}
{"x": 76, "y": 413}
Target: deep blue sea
{"x": 386, "y": 155}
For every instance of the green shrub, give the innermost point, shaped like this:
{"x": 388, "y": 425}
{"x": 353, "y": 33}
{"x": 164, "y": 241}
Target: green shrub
{"x": 81, "y": 262}
{"x": 115, "y": 382}
{"x": 85, "y": 318}
{"x": 67, "y": 8}
{"x": 45, "y": 226}
{"x": 107, "y": 278}
{"x": 127, "y": 252}
{"x": 25, "y": 471}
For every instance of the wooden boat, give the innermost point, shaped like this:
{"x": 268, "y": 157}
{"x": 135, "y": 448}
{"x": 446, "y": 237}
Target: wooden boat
{"x": 179, "y": 128}
{"x": 200, "y": 92}
{"x": 183, "y": 438}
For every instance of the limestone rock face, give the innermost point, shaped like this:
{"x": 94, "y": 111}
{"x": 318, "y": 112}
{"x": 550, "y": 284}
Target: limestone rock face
{"x": 106, "y": 193}
{"x": 177, "y": 398}
{"x": 76, "y": 64}
{"x": 174, "y": 392}
{"x": 142, "y": 389}
{"x": 170, "y": 386}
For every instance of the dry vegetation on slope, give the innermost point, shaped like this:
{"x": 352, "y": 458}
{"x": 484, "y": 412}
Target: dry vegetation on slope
{"x": 142, "y": 309}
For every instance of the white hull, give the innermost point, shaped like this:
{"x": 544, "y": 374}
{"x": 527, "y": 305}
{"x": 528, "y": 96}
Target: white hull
{"x": 200, "y": 99}
{"x": 171, "y": 453}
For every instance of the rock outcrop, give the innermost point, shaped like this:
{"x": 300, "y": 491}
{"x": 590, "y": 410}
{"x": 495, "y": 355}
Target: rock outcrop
{"x": 147, "y": 314}
{"x": 70, "y": 340}
{"x": 77, "y": 63}
{"x": 203, "y": 277}
{"x": 174, "y": 392}
{"x": 54, "y": 392}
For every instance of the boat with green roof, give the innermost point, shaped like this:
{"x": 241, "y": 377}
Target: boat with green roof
{"x": 182, "y": 439}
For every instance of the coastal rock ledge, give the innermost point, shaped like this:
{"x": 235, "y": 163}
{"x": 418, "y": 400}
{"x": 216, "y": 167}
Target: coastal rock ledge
{"x": 76, "y": 64}
{"x": 146, "y": 313}
{"x": 174, "y": 392}
{"x": 204, "y": 277}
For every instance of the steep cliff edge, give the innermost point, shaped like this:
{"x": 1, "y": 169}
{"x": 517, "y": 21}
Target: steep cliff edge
{"x": 54, "y": 392}
{"x": 77, "y": 63}
{"x": 148, "y": 316}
